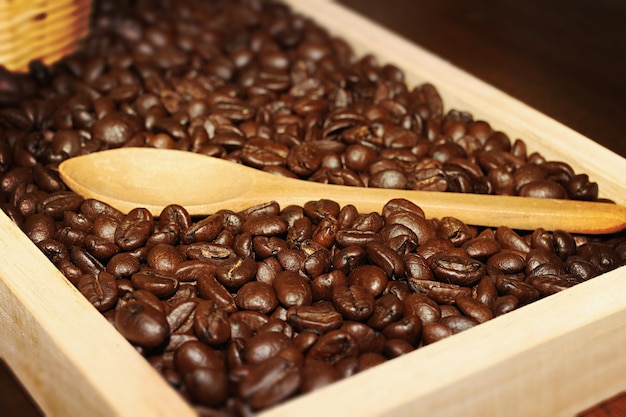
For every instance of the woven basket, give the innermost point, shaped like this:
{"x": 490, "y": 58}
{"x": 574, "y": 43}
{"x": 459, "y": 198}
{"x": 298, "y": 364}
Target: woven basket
{"x": 40, "y": 29}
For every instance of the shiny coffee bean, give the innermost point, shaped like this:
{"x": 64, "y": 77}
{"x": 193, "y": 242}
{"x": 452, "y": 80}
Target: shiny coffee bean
{"x": 142, "y": 324}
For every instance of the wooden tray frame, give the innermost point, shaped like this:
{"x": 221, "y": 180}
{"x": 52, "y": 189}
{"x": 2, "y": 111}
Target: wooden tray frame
{"x": 555, "y": 357}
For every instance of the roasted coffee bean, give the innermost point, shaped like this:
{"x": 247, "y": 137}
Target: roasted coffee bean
{"x": 54, "y": 250}
{"x": 142, "y": 324}
{"x": 525, "y": 293}
{"x": 473, "y": 308}
{"x": 236, "y": 272}
{"x": 316, "y": 375}
{"x": 332, "y": 347}
{"x": 39, "y": 227}
{"x": 367, "y": 339}
{"x": 420, "y": 305}
{"x": 348, "y": 258}
{"x": 209, "y": 288}
{"x": 205, "y": 230}
{"x": 486, "y": 292}
{"x": 481, "y": 248}
{"x": 161, "y": 283}
{"x": 134, "y": 229}
{"x": 386, "y": 258}
{"x": 551, "y": 284}
{"x": 319, "y": 209}
{"x": 265, "y": 247}
{"x": 180, "y": 317}
{"x": 100, "y": 247}
{"x": 509, "y": 239}
{"x": 322, "y": 285}
{"x": 58, "y": 203}
{"x": 504, "y": 304}
{"x": 86, "y": 262}
{"x": 353, "y": 302}
{"x": 580, "y": 268}
{"x": 440, "y": 292}
{"x": 370, "y": 277}
{"x": 457, "y": 270}
{"x": 100, "y": 289}
{"x": 408, "y": 328}
{"x": 211, "y": 324}
{"x": 94, "y": 208}
{"x": 195, "y": 354}
{"x": 433, "y": 332}
{"x": 114, "y": 129}
{"x": 397, "y": 347}
{"x": 257, "y": 296}
{"x": 264, "y": 346}
{"x": 265, "y": 226}
{"x": 104, "y": 226}
{"x": 270, "y": 382}
{"x": 459, "y": 323}
{"x": 175, "y": 214}
{"x": 319, "y": 317}
{"x": 123, "y": 265}
{"x": 506, "y": 262}
{"x": 292, "y": 289}
{"x": 207, "y": 386}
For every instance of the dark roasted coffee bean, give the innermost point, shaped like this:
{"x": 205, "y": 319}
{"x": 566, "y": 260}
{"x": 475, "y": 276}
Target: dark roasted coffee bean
{"x": 320, "y": 317}
{"x": 211, "y": 324}
{"x": 86, "y": 262}
{"x": 235, "y": 272}
{"x": 473, "y": 308}
{"x": 551, "y": 284}
{"x": 39, "y": 227}
{"x": 387, "y": 259}
{"x": 353, "y": 302}
{"x": 180, "y": 317}
{"x": 457, "y": 270}
{"x": 504, "y": 304}
{"x": 207, "y": 386}
{"x": 100, "y": 289}
{"x": 163, "y": 284}
{"x": 209, "y": 288}
{"x": 333, "y": 346}
{"x": 486, "y": 292}
{"x": 292, "y": 289}
{"x": 142, "y": 324}
{"x": 420, "y": 305}
{"x": 440, "y": 292}
{"x": 257, "y": 296}
{"x": 195, "y": 354}
{"x": 370, "y": 277}
{"x": 316, "y": 375}
{"x": 164, "y": 257}
{"x": 205, "y": 230}
{"x": 525, "y": 293}
{"x": 58, "y": 203}
{"x": 459, "y": 323}
{"x": 408, "y": 328}
{"x": 264, "y": 346}
{"x": 270, "y": 382}
{"x": 54, "y": 250}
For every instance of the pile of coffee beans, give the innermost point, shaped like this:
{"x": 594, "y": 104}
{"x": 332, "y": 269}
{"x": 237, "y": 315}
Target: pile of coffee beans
{"x": 240, "y": 311}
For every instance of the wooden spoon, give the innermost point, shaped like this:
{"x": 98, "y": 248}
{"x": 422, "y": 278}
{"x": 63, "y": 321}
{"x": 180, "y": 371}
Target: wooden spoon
{"x": 151, "y": 178}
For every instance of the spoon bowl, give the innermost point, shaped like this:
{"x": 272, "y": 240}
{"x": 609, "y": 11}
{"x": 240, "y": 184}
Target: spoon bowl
{"x": 151, "y": 178}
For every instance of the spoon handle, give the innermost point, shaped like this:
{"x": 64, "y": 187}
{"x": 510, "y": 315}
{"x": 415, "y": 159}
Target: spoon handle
{"x": 523, "y": 213}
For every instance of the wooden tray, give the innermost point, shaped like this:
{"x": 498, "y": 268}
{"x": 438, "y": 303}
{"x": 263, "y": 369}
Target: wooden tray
{"x": 557, "y": 356}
